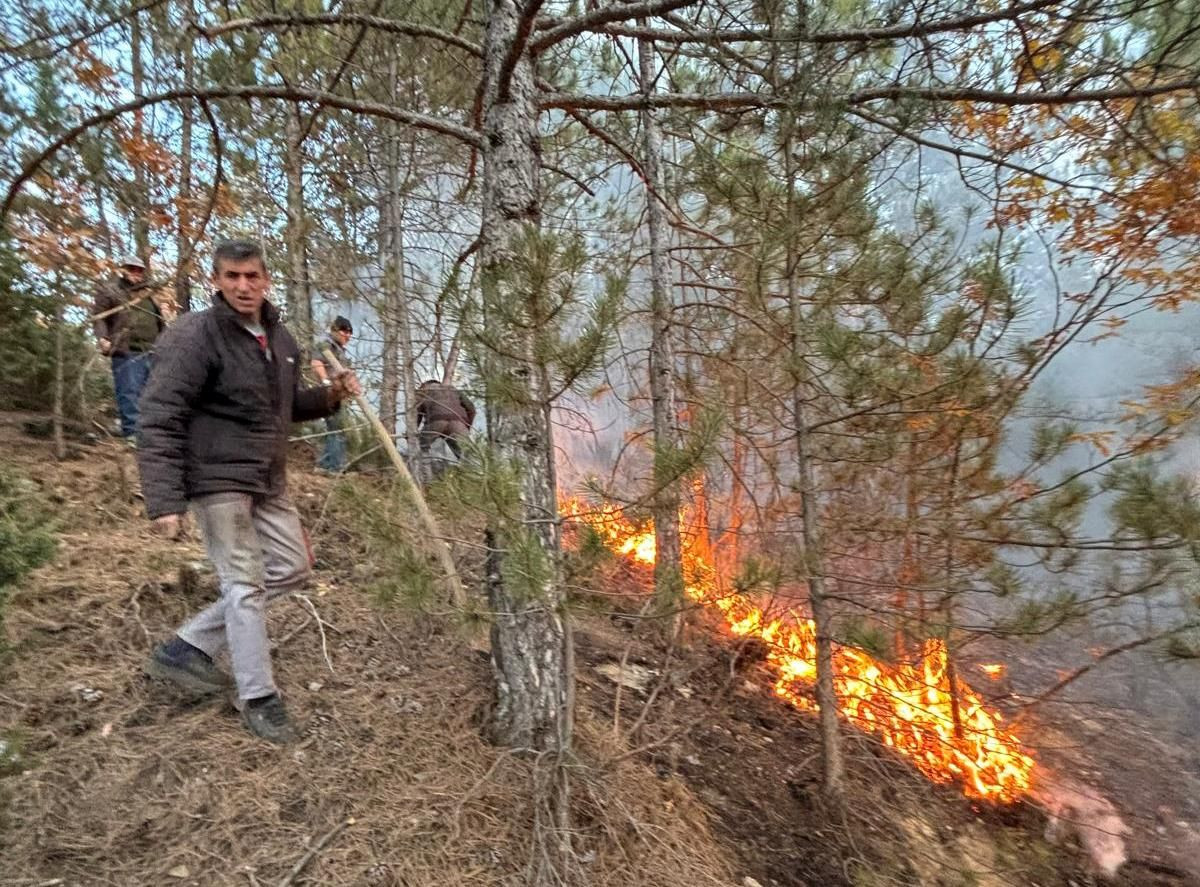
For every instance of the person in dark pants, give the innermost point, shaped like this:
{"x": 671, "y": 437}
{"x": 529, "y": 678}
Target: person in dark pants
{"x": 443, "y": 413}
{"x": 224, "y": 392}
{"x": 333, "y": 459}
{"x": 127, "y": 324}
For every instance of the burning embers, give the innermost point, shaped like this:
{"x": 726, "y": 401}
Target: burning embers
{"x": 909, "y": 706}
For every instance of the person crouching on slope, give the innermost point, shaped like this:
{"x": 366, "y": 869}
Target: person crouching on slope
{"x": 223, "y": 392}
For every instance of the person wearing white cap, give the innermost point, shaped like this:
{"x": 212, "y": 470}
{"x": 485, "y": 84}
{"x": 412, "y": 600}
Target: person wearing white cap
{"x": 127, "y": 322}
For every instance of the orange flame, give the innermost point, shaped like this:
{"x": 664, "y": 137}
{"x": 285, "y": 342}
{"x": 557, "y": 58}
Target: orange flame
{"x": 910, "y": 706}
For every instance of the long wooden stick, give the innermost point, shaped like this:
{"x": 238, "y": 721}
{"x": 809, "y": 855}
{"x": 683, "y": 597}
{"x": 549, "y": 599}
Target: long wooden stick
{"x": 453, "y": 583}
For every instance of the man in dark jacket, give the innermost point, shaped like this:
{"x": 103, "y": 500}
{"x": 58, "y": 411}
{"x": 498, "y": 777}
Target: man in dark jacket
{"x": 443, "y": 413}
{"x": 126, "y": 325}
{"x": 214, "y": 428}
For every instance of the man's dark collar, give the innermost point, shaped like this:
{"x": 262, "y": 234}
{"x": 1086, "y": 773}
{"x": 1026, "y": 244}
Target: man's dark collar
{"x": 269, "y": 313}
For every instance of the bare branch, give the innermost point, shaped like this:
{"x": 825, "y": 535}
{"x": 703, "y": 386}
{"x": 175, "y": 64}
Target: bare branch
{"x": 558, "y": 30}
{"x": 1000, "y": 97}
{"x": 76, "y": 39}
{"x": 378, "y": 23}
{"x": 700, "y": 34}
{"x": 732, "y": 101}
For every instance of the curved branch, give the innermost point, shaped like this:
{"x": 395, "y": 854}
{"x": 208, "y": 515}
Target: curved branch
{"x": 378, "y": 23}
{"x": 558, "y": 30}
{"x": 717, "y": 101}
{"x": 975, "y": 155}
{"x": 218, "y": 178}
{"x": 286, "y": 93}
{"x": 731, "y": 101}
{"x": 1000, "y": 97}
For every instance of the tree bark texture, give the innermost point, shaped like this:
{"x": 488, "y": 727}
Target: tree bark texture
{"x": 299, "y": 298}
{"x": 834, "y": 769}
{"x": 59, "y": 402}
{"x": 668, "y": 565}
{"x": 141, "y": 191}
{"x": 524, "y": 589}
{"x": 185, "y": 241}
{"x": 398, "y": 361}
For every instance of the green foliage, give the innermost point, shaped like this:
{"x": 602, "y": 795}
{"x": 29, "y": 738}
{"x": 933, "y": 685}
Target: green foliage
{"x": 866, "y": 634}
{"x": 26, "y": 532}
{"x": 1150, "y": 506}
{"x": 1034, "y": 617}
{"x": 482, "y": 483}
{"x": 400, "y": 568}
{"x": 675, "y": 462}
{"x": 28, "y": 323}
{"x": 526, "y": 569}
{"x": 541, "y": 298}
{"x": 757, "y": 577}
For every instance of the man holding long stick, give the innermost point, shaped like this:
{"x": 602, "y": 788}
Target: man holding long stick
{"x": 222, "y": 395}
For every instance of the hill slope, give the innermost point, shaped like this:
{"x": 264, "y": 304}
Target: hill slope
{"x": 118, "y": 781}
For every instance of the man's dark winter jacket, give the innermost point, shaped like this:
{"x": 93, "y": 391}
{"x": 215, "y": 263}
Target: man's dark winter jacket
{"x": 136, "y": 326}
{"x": 216, "y": 412}
{"x": 443, "y": 403}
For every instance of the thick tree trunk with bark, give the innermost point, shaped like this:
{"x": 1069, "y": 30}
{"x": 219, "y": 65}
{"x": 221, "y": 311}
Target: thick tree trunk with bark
{"x": 668, "y": 566}
{"x": 529, "y": 643}
{"x": 299, "y": 299}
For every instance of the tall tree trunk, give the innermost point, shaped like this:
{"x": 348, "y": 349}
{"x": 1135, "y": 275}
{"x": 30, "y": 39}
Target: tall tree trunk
{"x": 908, "y": 576}
{"x": 948, "y": 591}
{"x": 141, "y": 192}
{"x": 398, "y": 360}
{"x": 299, "y": 297}
{"x": 185, "y": 241}
{"x": 389, "y": 379}
{"x": 59, "y": 399}
{"x": 529, "y": 635}
{"x": 814, "y": 555}
{"x": 668, "y": 566}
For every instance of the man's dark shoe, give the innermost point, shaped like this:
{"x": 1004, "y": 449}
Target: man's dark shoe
{"x": 186, "y": 666}
{"x": 268, "y": 719}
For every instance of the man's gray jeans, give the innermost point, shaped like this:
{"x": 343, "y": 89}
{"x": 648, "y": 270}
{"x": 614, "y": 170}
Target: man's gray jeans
{"x": 259, "y": 551}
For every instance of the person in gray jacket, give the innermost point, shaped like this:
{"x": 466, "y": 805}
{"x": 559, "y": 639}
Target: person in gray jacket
{"x": 223, "y": 392}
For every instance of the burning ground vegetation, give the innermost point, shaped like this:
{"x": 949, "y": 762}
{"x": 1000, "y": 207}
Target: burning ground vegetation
{"x": 700, "y": 777}
{"x": 946, "y": 730}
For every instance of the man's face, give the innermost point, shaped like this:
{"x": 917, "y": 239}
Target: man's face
{"x": 342, "y": 337}
{"x": 244, "y": 283}
{"x": 133, "y": 274}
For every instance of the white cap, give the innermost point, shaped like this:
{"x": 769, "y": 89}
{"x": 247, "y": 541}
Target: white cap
{"x": 133, "y": 262}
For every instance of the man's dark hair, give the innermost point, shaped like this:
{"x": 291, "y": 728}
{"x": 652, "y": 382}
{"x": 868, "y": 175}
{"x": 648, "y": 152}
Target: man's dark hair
{"x": 341, "y": 324}
{"x": 237, "y": 251}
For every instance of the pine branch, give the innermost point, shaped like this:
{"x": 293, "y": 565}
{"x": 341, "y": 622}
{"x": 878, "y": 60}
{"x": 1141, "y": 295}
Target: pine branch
{"x": 374, "y": 22}
{"x": 733, "y": 101}
{"x": 284, "y": 93}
